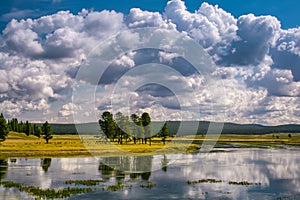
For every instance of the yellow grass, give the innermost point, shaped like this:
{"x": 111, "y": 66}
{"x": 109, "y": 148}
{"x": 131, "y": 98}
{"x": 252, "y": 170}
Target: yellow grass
{"x": 276, "y": 140}
{"x": 20, "y": 145}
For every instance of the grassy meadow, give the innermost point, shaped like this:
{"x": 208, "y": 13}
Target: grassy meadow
{"x": 20, "y": 145}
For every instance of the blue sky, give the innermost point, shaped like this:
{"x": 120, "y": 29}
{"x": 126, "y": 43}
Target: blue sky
{"x": 286, "y": 11}
{"x": 255, "y": 46}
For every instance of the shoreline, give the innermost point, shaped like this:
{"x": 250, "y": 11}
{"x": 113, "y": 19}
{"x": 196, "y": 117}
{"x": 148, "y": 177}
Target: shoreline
{"x": 18, "y": 145}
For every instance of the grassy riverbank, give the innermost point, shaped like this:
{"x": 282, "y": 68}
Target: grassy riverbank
{"x": 20, "y": 145}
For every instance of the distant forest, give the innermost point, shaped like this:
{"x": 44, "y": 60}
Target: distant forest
{"x": 173, "y": 126}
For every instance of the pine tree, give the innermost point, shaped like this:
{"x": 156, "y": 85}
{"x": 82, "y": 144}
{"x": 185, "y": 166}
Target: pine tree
{"x": 164, "y": 133}
{"x": 47, "y": 131}
{"x": 123, "y": 127}
{"x": 146, "y": 120}
{"x": 3, "y": 128}
{"x": 27, "y": 128}
{"x": 108, "y": 125}
{"x": 37, "y": 130}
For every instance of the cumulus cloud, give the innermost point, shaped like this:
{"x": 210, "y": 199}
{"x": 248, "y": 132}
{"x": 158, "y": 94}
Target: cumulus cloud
{"x": 286, "y": 52}
{"x": 138, "y": 18}
{"x": 211, "y": 26}
{"x": 257, "y": 64}
{"x": 39, "y": 57}
{"x": 62, "y": 34}
{"x": 278, "y": 82}
{"x": 256, "y": 36}
{"x": 68, "y": 110}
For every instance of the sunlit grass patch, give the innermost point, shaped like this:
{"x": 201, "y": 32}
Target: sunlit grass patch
{"x": 84, "y": 182}
{"x": 46, "y": 193}
{"x": 148, "y": 185}
{"x": 203, "y": 181}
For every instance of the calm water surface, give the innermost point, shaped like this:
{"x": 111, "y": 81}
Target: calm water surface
{"x": 275, "y": 172}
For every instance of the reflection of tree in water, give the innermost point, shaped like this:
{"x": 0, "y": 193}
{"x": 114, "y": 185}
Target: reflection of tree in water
{"x": 119, "y": 167}
{"x": 164, "y": 163}
{"x": 45, "y": 163}
{"x": 3, "y": 168}
{"x": 106, "y": 171}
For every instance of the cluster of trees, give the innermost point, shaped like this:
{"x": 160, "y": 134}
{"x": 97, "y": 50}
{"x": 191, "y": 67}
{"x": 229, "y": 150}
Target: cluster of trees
{"x": 27, "y": 128}
{"x": 134, "y": 128}
{"x": 3, "y": 128}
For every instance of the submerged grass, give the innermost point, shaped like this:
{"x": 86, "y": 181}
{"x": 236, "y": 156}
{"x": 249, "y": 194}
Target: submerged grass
{"x": 117, "y": 187}
{"x": 68, "y": 191}
{"x": 203, "y": 181}
{"x": 148, "y": 185}
{"x": 46, "y": 193}
{"x": 245, "y": 183}
{"x": 84, "y": 182}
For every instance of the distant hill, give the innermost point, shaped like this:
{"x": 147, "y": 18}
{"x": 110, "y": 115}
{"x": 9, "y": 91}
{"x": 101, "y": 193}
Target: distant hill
{"x": 187, "y": 128}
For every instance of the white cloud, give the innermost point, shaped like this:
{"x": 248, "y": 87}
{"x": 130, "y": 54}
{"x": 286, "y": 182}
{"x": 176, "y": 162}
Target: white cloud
{"x": 286, "y": 52}
{"x": 211, "y": 26}
{"x": 21, "y": 39}
{"x": 19, "y": 14}
{"x": 165, "y": 57}
{"x": 68, "y": 109}
{"x": 125, "y": 61}
{"x": 256, "y": 36}
{"x": 139, "y": 19}
{"x": 279, "y": 82}
{"x": 258, "y": 63}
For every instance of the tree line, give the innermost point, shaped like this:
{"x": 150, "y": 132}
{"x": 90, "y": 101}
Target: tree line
{"x": 116, "y": 127}
{"x": 24, "y": 127}
{"x": 135, "y": 128}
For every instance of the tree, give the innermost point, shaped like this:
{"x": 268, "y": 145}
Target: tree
{"x": 3, "y": 128}
{"x": 37, "y": 130}
{"x": 137, "y": 128}
{"x": 123, "y": 127}
{"x": 140, "y": 130}
{"x": 134, "y": 119}
{"x": 9, "y": 125}
{"x": 3, "y": 168}
{"x": 47, "y": 131}
{"x": 146, "y": 120}
{"x": 164, "y": 163}
{"x": 108, "y": 125}
{"x": 14, "y": 124}
{"x": 27, "y": 128}
{"x": 21, "y": 127}
{"x": 164, "y": 133}
{"x": 45, "y": 164}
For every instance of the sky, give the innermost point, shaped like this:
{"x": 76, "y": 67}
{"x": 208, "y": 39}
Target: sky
{"x": 49, "y": 70}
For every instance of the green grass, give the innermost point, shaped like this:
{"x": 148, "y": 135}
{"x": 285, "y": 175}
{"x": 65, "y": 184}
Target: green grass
{"x": 244, "y": 183}
{"x": 203, "y": 181}
{"x": 148, "y": 185}
{"x": 275, "y": 140}
{"x": 84, "y": 182}
{"x": 239, "y": 183}
{"x": 117, "y": 187}
{"x": 46, "y": 193}
{"x": 20, "y": 145}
